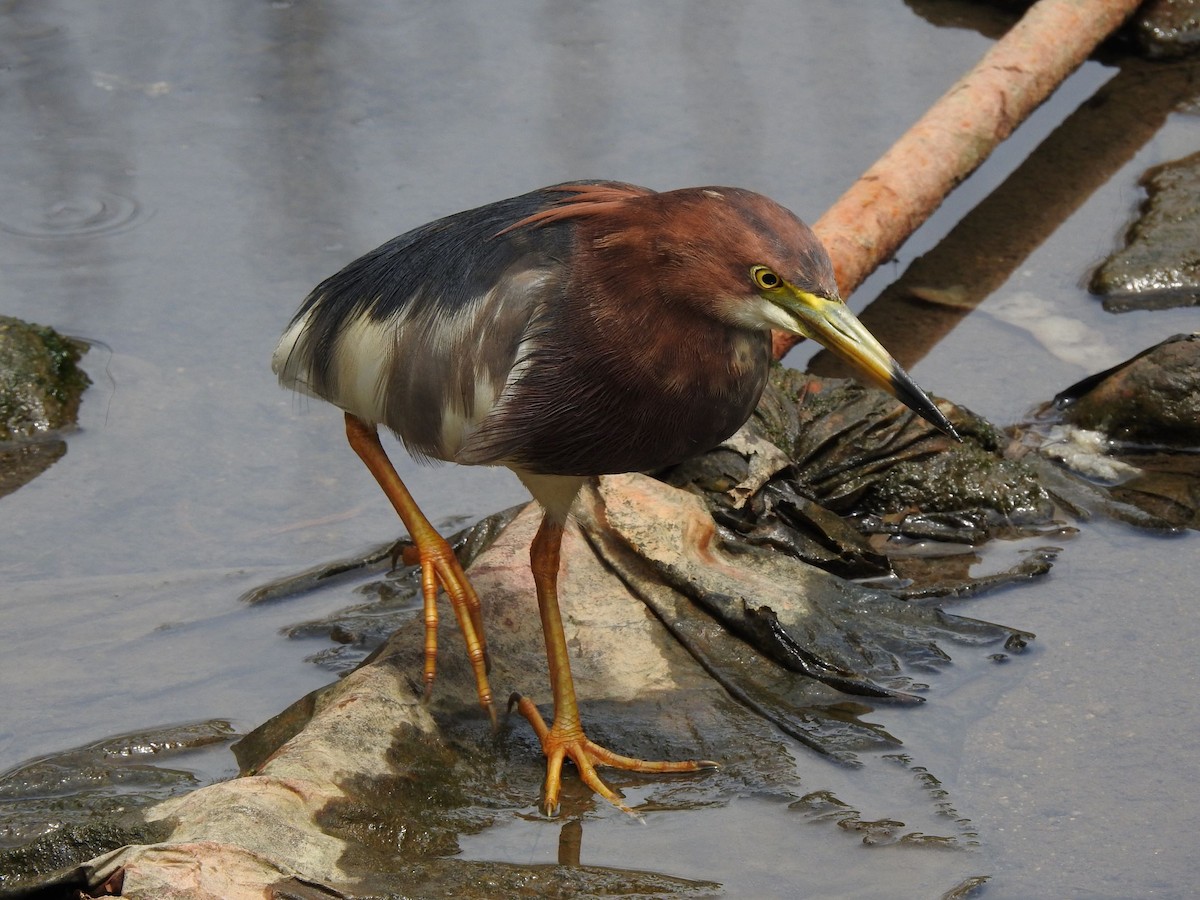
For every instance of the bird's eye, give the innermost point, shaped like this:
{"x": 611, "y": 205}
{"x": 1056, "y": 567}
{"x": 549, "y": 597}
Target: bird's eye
{"x": 765, "y": 278}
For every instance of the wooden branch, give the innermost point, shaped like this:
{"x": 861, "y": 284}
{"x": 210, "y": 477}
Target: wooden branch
{"x": 899, "y": 192}
{"x": 941, "y": 287}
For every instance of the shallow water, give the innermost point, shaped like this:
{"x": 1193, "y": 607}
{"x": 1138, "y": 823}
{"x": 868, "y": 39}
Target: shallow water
{"x": 174, "y": 178}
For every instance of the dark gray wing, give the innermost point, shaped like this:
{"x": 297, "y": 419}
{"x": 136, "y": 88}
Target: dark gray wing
{"x": 422, "y": 333}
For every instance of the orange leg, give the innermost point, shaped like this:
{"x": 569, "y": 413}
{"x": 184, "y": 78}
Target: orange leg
{"x": 565, "y": 738}
{"x": 439, "y": 565}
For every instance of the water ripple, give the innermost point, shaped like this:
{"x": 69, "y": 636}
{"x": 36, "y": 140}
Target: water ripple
{"x": 98, "y": 212}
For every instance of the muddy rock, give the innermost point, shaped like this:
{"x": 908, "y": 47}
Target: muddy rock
{"x": 1165, "y": 29}
{"x": 1159, "y": 29}
{"x": 860, "y": 480}
{"x": 1131, "y": 434}
{"x": 1152, "y": 400}
{"x": 1159, "y": 267}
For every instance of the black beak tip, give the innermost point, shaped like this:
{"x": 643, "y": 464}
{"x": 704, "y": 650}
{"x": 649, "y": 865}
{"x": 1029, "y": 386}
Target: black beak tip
{"x": 918, "y": 401}
{"x": 938, "y": 420}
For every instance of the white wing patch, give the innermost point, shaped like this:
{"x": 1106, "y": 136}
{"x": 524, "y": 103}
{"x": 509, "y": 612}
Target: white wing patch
{"x": 433, "y": 372}
{"x": 362, "y": 359}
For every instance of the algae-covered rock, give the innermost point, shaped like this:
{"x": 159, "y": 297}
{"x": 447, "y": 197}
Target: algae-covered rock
{"x": 695, "y": 632}
{"x": 40, "y": 383}
{"x": 40, "y": 388}
{"x": 967, "y": 478}
{"x": 363, "y": 790}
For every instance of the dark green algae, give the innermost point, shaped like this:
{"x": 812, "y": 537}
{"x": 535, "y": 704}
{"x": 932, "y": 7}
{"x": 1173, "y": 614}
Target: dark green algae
{"x": 40, "y": 381}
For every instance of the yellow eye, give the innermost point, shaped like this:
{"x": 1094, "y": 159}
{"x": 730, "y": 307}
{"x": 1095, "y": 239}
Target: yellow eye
{"x": 765, "y": 278}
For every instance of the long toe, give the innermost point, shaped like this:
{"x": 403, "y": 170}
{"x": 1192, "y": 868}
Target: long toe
{"x": 560, "y": 743}
{"x": 440, "y": 567}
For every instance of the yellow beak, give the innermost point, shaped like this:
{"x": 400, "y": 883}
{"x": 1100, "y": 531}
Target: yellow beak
{"x": 830, "y": 323}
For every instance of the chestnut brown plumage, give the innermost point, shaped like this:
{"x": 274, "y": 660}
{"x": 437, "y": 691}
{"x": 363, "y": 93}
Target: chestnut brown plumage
{"x": 577, "y": 330}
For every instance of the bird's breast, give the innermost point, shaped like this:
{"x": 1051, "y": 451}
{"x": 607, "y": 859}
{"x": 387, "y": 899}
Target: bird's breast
{"x": 642, "y": 404}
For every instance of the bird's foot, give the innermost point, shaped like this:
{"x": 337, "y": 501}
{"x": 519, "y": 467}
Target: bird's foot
{"x": 440, "y": 568}
{"x": 566, "y": 740}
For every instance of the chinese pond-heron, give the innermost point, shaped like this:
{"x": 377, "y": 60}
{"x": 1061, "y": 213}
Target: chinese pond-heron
{"x": 577, "y": 330}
